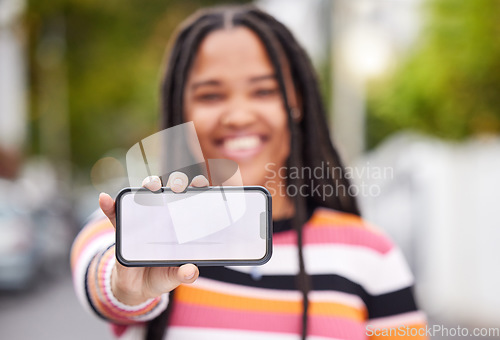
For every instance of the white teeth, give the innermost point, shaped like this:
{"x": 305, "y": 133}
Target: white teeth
{"x": 241, "y": 143}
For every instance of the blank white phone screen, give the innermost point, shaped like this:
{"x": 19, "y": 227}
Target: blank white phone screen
{"x": 194, "y": 226}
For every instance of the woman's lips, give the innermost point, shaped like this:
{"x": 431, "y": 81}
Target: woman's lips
{"x": 241, "y": 147}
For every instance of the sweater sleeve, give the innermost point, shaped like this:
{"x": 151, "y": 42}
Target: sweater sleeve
{"x": 392, "y": 311}
{"x": 92, "y": 261}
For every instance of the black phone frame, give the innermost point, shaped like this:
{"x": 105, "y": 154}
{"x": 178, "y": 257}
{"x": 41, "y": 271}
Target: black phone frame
{"x": 249, "y": 262}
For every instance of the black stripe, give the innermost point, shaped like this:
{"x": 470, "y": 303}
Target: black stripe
{"x": 87, "y": 293}
{"x": 285, "y": 282}
{"x": 400, "y": 301}
{"x": 330, "y": 282}
{"x": 392, "y": 303}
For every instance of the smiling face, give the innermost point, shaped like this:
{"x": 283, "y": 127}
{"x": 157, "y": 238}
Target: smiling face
{"x": 233, "y": 97}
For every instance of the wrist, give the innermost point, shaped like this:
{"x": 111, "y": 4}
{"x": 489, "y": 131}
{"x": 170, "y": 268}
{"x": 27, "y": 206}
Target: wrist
{"x": 123, "y": 293}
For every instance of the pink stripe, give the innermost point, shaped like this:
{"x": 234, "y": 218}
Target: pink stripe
{"x": 118, "y": 330}
{"x": 103, "y": 265}
{"x": 188, "y": 315}
{"x": 337, "y": 235}
{"x": 90, "y": 241}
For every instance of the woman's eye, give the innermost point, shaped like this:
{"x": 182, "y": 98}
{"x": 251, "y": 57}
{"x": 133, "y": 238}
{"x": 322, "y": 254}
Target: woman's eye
{"x": 266, "y": 92}
{"x": 210, "y": 97}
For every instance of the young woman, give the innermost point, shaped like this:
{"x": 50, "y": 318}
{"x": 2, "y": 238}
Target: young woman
{"x": 252, "y": 95}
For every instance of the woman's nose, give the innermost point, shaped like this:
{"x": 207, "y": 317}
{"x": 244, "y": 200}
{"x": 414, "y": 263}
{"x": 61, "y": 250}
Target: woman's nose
{"x": 239, "y": 115}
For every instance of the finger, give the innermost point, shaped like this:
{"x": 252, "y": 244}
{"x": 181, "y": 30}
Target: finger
{"x": 200, "y": 181}
{"x": 152, "y": 183}
{"x": 177, "y": 181}
{"x": 187, "y": 273}
{"x": 107, "y": 205}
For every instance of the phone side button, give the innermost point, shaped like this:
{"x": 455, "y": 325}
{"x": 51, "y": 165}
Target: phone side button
{"x": 263, "y": 225}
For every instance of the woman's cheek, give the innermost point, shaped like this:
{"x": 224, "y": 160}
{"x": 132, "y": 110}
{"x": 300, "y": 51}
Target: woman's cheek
{"x": 277, "y": 117}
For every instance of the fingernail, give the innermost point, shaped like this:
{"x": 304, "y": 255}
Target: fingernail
{"x": 177, "y": 182}
{"x": 189, "y": 277}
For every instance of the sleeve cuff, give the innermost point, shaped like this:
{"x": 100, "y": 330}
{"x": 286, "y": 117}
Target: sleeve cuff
{"x": 108, "y": 305}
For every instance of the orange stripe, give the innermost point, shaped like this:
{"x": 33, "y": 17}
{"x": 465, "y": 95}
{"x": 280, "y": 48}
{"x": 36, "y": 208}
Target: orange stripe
{"x": 114, "y": 309}
{"x": 325, "y": 217}
{"x": 193, "y": 295}
{"x": 104, "y": 307}
{"x": 318, "y": 221}
{"x": 334, "y": 217}
{"x": 86, "y": 234}
{"x": 418, "y": 331}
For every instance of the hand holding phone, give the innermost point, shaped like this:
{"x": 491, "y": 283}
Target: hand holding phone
{"x": 133, "y": 286}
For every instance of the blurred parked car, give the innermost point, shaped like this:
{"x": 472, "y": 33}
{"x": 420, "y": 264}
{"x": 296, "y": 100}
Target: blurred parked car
{"x": 36, "y": 229}
{"x": 19, "y": 260}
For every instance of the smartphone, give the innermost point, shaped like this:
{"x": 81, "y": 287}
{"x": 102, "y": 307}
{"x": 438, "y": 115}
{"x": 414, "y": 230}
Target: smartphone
{"x": 212, "y": 226}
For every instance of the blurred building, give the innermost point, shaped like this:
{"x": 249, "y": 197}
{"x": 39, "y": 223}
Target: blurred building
{"x": 13, "y": 76}
{"x": 35, "y": 224}
{"x": 441, "y": 208}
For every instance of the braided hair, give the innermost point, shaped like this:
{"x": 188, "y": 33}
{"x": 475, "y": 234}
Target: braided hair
{"x": 311, "y": 146}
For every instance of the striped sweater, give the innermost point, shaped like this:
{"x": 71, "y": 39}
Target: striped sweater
{"x": 361, "y": 288}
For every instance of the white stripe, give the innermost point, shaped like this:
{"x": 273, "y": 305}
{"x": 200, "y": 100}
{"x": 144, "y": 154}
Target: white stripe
{"x": 162, "y": 304}
{"x": 133, "y": 333}
{"x": 415, "y": 317}
{"x": 377, "y": 273}
{"x": 186, "y": 333}
{"x": 337, "y": 297}
{"x": 97, "y": 245}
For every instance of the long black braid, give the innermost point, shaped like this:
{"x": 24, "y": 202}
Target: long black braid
{"x": 311, "y": 145}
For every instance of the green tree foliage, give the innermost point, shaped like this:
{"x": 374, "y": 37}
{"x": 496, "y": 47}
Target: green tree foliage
{"x": 113, "y": 51}
{"x": 449, "y": 86}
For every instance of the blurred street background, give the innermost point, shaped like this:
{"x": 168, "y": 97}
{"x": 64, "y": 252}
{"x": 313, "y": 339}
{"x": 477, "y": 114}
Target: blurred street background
{"x": 413, "y": 95}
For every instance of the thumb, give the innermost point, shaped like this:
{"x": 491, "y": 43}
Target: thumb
{"x": 187, "y": 273}
{"x": 107, "y": 205}
{"x": 165, "y": 279}
{"x": 172, "y": 277}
